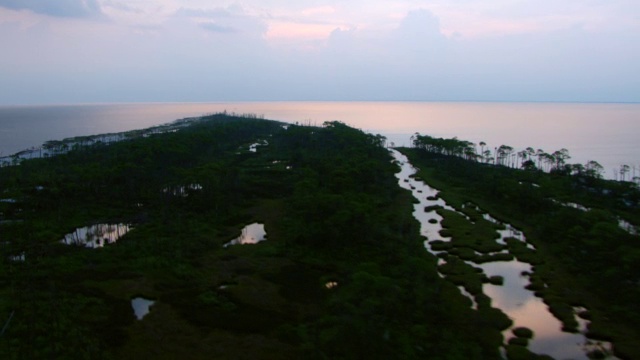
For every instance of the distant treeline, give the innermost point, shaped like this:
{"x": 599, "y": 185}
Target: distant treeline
{"x": 526, "y": 159}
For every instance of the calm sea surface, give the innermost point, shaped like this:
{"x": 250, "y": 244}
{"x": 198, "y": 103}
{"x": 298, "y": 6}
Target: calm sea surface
{"x": 607, "y": 133}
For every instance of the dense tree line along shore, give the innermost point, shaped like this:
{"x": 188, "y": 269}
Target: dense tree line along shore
{"x": 343, "y": 272}
{"x": 527, "y": 159}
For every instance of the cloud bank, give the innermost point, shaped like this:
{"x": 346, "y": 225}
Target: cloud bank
{"x": 57, "y": 8}
{"x": 114, "y": 51}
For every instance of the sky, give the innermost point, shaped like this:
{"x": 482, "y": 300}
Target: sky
{"x": 104, "y": 51}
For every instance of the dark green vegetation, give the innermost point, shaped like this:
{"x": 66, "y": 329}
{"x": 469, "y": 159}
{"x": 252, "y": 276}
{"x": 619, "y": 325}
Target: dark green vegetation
{"x": 583, "y": 256}
{"x": 333, "y": 214}
{"x": 505, "y": 155}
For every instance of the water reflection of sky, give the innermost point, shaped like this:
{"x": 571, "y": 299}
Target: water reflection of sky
{"x": 96, "y": 236}
{"x": 531, "y": 312}
{"x": 422, "y": 192}
{"x": 512, "y": 294}
{"x": 141, "y": 307}
{"x": 512, "y": 298}
{"x": 251, "y": 234}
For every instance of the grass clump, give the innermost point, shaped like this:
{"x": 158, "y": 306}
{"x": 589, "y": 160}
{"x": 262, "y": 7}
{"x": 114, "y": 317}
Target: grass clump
{"x": 518, "y": 341}
{"x": 523, "y": 332}
{"x": 495, "y": 280}
{"x": 480, "y": 236}
{"x": 431, "y": 208}
{"x": 462, "y": 274}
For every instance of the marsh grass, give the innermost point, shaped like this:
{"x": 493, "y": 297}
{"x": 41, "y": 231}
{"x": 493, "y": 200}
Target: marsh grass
{"x": 495, "y": 280}
{"x": 432, "y": 208}
{"x": 463, "y": 274}
{"x": 520, "y": 352}
{"x": 523, "y": 332}
{"x": 518, "y": 341}
{"x": 439, "y": 245}
{"x": 523, "y": 253}
{"x": 481, "y": 259}
{"x": 480, "y": 236}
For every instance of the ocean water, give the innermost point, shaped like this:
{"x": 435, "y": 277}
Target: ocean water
{"x": 607, "y": 133}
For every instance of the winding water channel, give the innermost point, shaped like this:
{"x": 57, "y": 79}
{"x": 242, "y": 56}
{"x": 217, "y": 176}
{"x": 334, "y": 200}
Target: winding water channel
{"x": 512, "y": 298}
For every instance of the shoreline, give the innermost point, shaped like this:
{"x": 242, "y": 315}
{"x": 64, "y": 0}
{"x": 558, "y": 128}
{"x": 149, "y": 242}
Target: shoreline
{"x": 58, "y": 147}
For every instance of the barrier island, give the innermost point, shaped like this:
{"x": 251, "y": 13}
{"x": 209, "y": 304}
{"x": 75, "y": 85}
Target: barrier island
{"x": 237, "y": 237}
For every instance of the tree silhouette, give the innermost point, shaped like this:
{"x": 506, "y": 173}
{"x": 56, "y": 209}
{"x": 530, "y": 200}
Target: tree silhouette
{"x": 487, "y": 156}
{"x": 522, "y": 154}
{"x": 624, "y": 170}
{"x": 530, "y": 152}
{"x": 560, "y": 157}
{"x": 529, "y": 165}
{"x": 503, "y": 153}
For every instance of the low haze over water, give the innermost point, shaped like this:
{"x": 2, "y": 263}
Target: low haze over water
{"x": 607, "y": 133}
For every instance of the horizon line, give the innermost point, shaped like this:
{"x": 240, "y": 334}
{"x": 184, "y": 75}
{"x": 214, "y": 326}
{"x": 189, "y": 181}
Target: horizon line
{"x": 96, "y": 103}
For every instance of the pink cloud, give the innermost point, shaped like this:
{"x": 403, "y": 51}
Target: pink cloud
{"x": 281, "y": 30}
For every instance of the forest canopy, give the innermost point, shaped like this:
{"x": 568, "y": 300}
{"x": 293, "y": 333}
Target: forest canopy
{"x": 342, "y": 272}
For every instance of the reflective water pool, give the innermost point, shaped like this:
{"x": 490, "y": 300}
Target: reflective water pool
{"x": 96, "y": 236}
{"x": 251, "y": 234}
{"x": 141, "y": 307}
